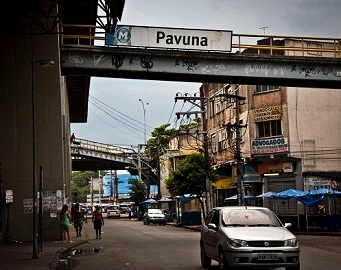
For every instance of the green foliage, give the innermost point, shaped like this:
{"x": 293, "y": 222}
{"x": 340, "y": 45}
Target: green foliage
{"x": 189, "y": 177}
{"x": 138, "y": 190}
{"x": 196, "y": 123}
{"x": 82, "y": 179}
{"x": 159, "y": 141}
{"x": 80, "y": 185}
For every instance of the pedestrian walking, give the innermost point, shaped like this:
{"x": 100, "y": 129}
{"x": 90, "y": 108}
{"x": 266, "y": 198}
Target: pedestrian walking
{"x": 97, "y": 219}
{"x": 65, "y": 222}
{"x": 78, "y": 219}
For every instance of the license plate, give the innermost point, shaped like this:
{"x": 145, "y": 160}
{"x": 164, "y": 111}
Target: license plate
{"x": 267, "y": 257}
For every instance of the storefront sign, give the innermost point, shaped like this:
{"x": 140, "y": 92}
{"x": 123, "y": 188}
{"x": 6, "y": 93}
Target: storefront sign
{"x": 223, "y": 183}
{"x": 311, "y": 183}
{"x": 267, "y": 114}
{"x": 274, "y": 168}
{"x": 269, "y": 146}
{"x": 172, "y": 38}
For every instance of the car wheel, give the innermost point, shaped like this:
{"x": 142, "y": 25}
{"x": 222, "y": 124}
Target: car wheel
{"x": 205, "y": 261}
{"x": 223, "y": 264}
{"x": 297, "y": 267}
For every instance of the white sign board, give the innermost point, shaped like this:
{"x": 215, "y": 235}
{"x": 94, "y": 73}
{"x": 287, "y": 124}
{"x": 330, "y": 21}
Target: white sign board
{"x": 269, "y": 146}
{"x": 172, "y": 38}
{"x": 311, "y": 183}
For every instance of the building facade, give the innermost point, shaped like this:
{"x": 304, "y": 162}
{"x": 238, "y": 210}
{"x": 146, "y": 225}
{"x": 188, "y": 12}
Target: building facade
{"x": 289, "y": 138}
{"x": 34, "y": 131}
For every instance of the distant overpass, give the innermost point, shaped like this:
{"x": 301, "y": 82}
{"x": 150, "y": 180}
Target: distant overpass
{"x": 90, "y": 155}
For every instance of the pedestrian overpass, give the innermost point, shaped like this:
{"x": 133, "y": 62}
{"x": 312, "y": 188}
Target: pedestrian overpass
{"x": 254, "y": 59}
{"x": 90, "y": 155}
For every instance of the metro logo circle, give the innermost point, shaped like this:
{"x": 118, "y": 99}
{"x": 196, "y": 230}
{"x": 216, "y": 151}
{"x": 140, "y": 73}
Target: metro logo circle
{"x": 123, "y": 35}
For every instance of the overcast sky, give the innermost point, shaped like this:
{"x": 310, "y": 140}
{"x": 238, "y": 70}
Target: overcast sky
{"x": 115, "y": 113}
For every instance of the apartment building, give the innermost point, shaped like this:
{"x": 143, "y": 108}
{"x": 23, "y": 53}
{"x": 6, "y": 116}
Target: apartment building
{"x": 289, "y": 137}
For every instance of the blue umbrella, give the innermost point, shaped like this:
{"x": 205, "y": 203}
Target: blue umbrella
{"x": 268, "y": 194}
{"x": 148, "y": 202}
{"x": 290, "y": 193}
{"x": 325, "y": 191}
{"x": 234, "y": 197}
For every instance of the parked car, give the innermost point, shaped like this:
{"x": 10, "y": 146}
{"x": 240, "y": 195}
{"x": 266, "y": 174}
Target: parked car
{"x": 154, "y": 215}
{"x": 247, "y": 236}
{"x": 125, "y": 207}
{"x": 113, "y": 211}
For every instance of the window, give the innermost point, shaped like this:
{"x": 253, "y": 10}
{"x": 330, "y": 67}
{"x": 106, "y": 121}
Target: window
{"x": 269, "y": 128}
{"x": 213, "y": 143}
{"x": 212, "y": 109}
{"x": 266, "y": 88}
{"x": 221, "y": 140}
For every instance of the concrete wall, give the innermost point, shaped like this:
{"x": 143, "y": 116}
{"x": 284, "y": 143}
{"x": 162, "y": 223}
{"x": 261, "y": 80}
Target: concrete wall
{"x": 315, "y": 128}
{"x": 16, "y": 136}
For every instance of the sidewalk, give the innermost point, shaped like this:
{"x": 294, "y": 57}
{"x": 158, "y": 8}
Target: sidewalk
{"x": 18, "y": 256}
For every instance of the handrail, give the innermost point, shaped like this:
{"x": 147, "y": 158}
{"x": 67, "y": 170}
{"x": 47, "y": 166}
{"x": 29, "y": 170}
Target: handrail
{"x": 101, "y": 147}
{"x": 325, "y": 47}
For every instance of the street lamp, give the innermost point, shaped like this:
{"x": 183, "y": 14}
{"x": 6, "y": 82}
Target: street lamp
{"x": 144, "y": 120}
{"x": 42, "y": 63}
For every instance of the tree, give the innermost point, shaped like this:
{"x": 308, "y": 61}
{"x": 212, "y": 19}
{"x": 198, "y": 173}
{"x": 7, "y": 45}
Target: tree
{"x": 80, "y": 185}
{"x": 138, "y": 190}
{"x": 157, "y": 144}
{"x": 189, "y": 178}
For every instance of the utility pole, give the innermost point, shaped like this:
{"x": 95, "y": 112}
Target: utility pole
{"x": 91, "y": 192}
{"x": 139, "y": 161}
{"x": 99, "y": 187}
{"x": 158, "y": 169}
{"x": 208, "y": 184}
{"x": 116, "y": 187}
{"x": 238, "y": 157}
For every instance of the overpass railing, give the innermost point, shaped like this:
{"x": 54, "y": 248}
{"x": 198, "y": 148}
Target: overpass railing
{"x": 103, "y": 148}
{"x": 302, "y": 46}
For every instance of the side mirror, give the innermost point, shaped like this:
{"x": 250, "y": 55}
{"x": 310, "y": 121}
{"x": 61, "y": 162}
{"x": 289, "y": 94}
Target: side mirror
{"x": 287, "y": 225}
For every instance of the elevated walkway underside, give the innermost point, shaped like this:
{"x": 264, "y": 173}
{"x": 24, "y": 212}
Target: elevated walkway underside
{"x": 194, "y": 66}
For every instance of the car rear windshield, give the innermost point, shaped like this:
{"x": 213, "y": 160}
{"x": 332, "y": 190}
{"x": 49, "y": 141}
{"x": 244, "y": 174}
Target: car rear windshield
{"x": 249, "y": 217}
{"x": 154, "y": 211}
{"x": 112, "y": 207}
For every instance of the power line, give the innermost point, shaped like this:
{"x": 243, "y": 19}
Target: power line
{"x": 127, "y": 116}
{"x": 129, "y": 127}
{"x": 114, "y": 126}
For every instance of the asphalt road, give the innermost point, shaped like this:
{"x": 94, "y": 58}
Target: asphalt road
{"x": 128, "y": 244}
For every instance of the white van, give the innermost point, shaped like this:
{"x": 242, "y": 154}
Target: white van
{"x": 113, "y": 211}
